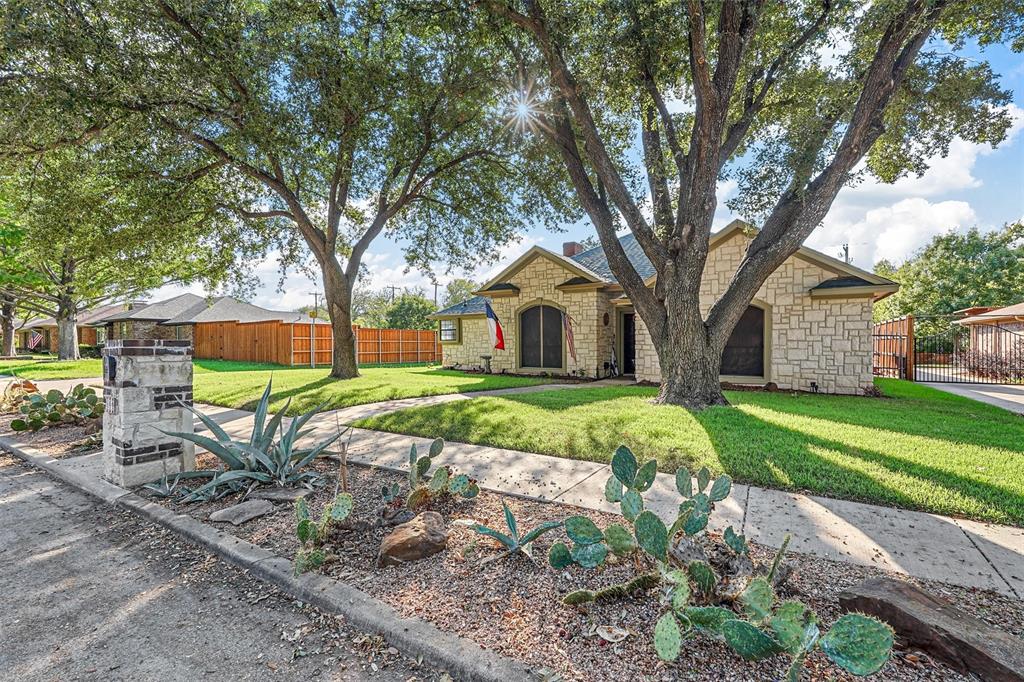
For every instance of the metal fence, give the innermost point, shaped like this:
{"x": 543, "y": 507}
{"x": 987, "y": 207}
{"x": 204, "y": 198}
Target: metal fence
{"x": 980, "y": 349}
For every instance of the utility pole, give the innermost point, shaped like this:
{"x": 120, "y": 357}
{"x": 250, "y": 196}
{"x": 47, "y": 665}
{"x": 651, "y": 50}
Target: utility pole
{"x": 846, "y": 253}
{"x": 393, "y": 288}
{"x": 435, "y": 294}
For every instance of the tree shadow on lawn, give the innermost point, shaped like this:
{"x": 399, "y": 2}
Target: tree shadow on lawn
{"x": 963, "y": 421}
{"x": 799, "y": 465}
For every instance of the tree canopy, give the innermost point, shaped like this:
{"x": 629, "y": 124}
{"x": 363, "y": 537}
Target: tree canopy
{"x": 956, "y": 271}
{"x": 410, "y": 311}
{"x": 794, "y": 100}
{"x": 83, "y": 237}
{"x": 458, "y": 290}
{"x": 328, "y": 124}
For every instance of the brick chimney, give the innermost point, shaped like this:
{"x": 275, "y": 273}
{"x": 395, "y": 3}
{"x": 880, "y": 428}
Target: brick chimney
{"x": 570, "y": 249}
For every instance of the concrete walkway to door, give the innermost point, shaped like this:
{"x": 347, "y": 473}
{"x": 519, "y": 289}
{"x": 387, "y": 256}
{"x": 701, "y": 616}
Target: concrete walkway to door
{"x": 1007, "y": 396}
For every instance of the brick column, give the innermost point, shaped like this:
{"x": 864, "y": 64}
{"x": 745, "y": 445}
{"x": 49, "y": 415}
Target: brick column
{"x": 145, "y": 383}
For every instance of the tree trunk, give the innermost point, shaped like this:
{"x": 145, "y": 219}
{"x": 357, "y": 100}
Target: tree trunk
{"x": 7, "y": 326}
{"x": 67, "y": 332}
{"x": 339, "y": 303}
{"x": 689, "y": 354}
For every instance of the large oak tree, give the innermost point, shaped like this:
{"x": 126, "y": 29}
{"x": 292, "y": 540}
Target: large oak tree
{"x": 330, "y": 122}
{"x": 87, "y": 228}
{"x": 743, "y": 88}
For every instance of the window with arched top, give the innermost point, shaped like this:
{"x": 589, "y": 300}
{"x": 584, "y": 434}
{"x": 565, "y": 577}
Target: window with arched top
{"x": 744, "y": 352}
{"x": 540, "y": 337}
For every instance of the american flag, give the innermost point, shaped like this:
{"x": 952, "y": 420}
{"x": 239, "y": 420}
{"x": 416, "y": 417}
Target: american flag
{"x": 567, "y": 324}
{"x": 34, "y": 339}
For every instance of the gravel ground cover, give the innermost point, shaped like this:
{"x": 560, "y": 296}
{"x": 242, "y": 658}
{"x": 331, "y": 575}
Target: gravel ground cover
{"x": 513, "y": 606}
{"x": 59, "y": 442}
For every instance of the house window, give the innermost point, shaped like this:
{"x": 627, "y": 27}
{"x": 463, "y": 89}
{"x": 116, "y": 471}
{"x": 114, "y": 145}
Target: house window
{"x": 101, "y": 336}
{"x": 449, "y": 331}
{"x": 122, "y": 330}
{"x": 744, "y": 352}
{"x": 540, "y": 337}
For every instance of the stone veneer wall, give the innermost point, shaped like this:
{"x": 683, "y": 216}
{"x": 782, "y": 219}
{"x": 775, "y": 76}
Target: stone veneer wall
{"x": 147, "y": 386}
{"x": 537, "y": 282}
{"x": 827, "y": 341}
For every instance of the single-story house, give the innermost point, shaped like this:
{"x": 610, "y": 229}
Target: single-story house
{"x": 809, "y": 325}
{"x": 87, "y": 331}
{"x": 226, "y": 328}
{"x": 999, "y": 331}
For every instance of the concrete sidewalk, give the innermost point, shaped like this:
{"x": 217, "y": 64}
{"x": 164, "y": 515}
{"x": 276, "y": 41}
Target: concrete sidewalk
{"x": 1007, "y": 396}
{"x": 967, "y": 553}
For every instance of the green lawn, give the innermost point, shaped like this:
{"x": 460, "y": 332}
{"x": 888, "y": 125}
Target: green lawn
{"x": 917, "y": 448}
{"x": 240, "y": 384}
{"x": 52, "y": 369}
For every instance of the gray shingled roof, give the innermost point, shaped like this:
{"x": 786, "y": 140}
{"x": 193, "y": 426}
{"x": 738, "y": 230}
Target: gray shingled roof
{"x": 159, "y": 311}
{"x": 96, "y": 316}
{"x": 472, "y": 306}
{"x": 842, "y": 282}
{"x": 595, "y": 260}
{"x": 228, "y": 309}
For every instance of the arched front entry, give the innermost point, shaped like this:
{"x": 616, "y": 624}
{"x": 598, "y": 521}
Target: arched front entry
{"x": 746, "y": 352}
{"x": 540, "y": 338}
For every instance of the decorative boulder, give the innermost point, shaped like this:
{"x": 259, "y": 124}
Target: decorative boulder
{"x": 423, "y": 536}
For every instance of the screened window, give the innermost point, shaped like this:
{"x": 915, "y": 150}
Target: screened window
{"x": 540, "y": 337}
{"x": 449, "y": 330}
{"x": 744, "y": 352}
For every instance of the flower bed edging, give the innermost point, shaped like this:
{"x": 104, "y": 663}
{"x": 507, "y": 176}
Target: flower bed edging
{"x": 463, "y": 659}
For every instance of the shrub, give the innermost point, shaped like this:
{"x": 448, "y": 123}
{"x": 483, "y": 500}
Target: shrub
{"x": 87, "y": 351}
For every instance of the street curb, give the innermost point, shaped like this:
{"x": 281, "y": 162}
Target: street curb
{"x": 461, "y": 658}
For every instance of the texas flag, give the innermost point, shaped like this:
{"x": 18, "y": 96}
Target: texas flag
{"x": 494, "y": 327}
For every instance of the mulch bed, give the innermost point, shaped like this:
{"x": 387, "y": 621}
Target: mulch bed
{"x": 513, "y": 606}
{"x": 59, "y": 442}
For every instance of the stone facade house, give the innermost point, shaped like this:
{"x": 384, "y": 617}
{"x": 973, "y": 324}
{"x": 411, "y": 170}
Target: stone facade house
{"x": 808, "y": 327}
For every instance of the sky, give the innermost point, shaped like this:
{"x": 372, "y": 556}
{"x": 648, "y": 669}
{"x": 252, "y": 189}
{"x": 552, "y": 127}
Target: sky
{"x": 974, "y": 185}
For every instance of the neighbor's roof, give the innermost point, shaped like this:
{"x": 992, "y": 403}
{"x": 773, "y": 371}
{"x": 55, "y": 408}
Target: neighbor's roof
{"x": 1010, "y": 312}
{"x": 156, "y": 312}
{"x": 85, "y": 318}
{"x": 229, "y": 309}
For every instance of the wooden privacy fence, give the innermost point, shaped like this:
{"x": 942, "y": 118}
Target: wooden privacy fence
{"x": 893, "y": 348}
{"x": 396, "y": 346}
{"x": 301, "y": 344}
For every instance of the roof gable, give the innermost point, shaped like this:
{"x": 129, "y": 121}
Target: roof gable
{"x": 534, "y": 252}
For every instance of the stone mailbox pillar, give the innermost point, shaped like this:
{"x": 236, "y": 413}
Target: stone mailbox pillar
{"x": 145, "y": 383}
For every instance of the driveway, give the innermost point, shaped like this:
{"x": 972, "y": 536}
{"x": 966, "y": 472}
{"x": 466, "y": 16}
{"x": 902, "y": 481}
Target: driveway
{"x": 1008, "y": 397}
{"x": 92, "y": 593}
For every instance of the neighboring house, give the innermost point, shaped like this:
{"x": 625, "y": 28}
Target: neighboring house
{"x": 175, "y": 318}
{"x": 808, "y": 326}
{"x": 87, "y": 332}
{"x": 226, "y": 328}
{"x": 998, "y": 331}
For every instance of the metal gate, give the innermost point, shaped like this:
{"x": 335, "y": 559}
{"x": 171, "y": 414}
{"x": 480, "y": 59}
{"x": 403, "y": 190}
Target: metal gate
{"x": 950, "y": 349}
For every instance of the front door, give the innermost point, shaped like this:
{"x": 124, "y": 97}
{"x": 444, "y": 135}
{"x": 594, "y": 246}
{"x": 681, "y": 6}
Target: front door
{"x": 629, "y": 343}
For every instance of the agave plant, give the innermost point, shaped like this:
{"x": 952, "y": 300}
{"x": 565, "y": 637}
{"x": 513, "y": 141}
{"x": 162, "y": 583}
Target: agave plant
{"x": 514, "y": 541}
{"x": 260, "y": 459}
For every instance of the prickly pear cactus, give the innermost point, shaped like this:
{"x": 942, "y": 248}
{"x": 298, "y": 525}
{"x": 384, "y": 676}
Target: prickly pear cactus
{"x": 750, "y": 643}
{"x": 858, "y": 644}
{"x": 53, "y": 407}
{"x": 668, "y": 639}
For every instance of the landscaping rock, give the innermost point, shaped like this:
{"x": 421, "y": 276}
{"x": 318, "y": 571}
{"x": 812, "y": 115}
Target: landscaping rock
{"x": 279, "y": 494}
{"x": 240, "y": 513}
{"x": 938, "y": 628}
{"x": 423, "y": 536}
